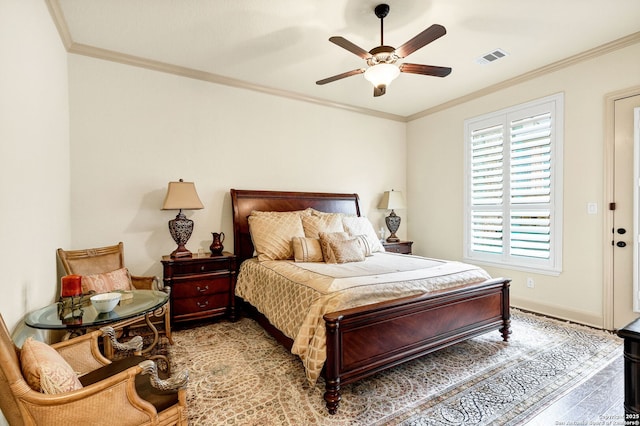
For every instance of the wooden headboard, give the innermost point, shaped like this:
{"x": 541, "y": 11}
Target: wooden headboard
{"x": 245, "y": 201}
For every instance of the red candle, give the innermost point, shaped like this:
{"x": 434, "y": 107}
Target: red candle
{"x": 71, "y": 286}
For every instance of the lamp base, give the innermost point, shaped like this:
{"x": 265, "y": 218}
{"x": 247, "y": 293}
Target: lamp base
{"x": 393, "y": 223}
{"x": 181, "y": 251}
{"x": 393, "y": 239}
{"x": 181, "y": 229}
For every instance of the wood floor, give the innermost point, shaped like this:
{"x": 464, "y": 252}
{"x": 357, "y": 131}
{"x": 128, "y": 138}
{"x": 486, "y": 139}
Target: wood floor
{"x": 598, "y": 401}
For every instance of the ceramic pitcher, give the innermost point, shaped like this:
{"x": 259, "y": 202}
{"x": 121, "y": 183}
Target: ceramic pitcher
{"x": 216, "y": 246}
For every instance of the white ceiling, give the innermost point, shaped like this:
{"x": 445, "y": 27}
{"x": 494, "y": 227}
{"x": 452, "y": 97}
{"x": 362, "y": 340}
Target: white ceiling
{"x": 282, "y": 47}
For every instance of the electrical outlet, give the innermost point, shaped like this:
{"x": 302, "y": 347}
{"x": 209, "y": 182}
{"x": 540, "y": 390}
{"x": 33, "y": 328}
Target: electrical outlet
{"x": 530, "y": 282}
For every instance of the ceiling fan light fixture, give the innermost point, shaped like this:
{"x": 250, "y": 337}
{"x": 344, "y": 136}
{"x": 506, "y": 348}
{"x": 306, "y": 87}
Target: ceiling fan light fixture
{"x": 382, "y": 75}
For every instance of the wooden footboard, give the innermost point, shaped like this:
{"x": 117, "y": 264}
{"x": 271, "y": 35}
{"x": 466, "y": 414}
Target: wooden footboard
{"x": 365, "y": 340}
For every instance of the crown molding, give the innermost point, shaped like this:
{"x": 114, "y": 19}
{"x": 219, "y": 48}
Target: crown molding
{"x": 109, "y": 55}
{"x": 547, "y": 69}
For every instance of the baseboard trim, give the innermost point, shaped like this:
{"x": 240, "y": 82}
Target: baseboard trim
{"x": 559, "y": 312}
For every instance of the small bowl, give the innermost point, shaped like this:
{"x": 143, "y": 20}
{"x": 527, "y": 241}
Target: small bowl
{"x": 105, "y": 302}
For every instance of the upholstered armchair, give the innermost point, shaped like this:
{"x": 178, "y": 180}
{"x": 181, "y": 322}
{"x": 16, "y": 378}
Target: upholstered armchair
{"x": 83, "y": 386}
{"x": 94, "y": 262}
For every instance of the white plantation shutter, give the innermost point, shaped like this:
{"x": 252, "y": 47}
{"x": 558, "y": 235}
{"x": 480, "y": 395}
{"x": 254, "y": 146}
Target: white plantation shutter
{"x": 513, "y": 186}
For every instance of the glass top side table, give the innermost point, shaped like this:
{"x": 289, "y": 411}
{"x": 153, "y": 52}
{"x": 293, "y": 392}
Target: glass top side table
{"x": 84, "y": 316}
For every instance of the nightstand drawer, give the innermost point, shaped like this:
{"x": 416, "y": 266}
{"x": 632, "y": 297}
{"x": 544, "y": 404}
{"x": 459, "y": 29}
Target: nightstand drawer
{"x": 201, "y": 286}
{"x": 201, "y": 304}
{"x": 200, "y": 267}
{"x": 402, "y": 247}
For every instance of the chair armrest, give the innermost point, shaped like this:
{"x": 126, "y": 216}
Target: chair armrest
{"x": 149, "y": 283}
{"x": 145, "y": 283}
{"x": 83, "y": 352}
{"x": 175, "y": 382}
{"x": 111, "y": 398}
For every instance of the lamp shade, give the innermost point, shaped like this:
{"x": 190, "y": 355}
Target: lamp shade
{"x": 392, "y": 200}
{"x": 182, "y": 195}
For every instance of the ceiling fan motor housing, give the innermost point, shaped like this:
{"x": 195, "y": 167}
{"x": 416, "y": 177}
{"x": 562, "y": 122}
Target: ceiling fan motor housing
{"x": 382, "y": 55}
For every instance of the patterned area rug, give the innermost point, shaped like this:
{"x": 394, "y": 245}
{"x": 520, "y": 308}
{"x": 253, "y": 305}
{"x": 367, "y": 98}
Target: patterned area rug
{"x": 239, "y": 375}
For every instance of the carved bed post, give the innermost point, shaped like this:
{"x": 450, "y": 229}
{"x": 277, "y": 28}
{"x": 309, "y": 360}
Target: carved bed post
{"x": 332, "y": 379}
{"x": 506, "y": 312}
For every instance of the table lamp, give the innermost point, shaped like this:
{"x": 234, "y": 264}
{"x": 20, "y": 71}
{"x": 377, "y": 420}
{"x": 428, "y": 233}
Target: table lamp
{"x": 392, "y": 200}
{"x": 181, "y": 196}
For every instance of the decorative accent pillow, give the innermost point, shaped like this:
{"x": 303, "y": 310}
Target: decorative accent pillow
{"x": 367, "y": 247}
{"x": 313, "y": 225}
{"x": 307, "y": 249}
{"x": 120, "y": 279}
{"x": 272, "y": 233}
{"x": 325, "y": 243}
{"x": 347, "y": 251}
{"x": 45, "y": 370}
{"x": 359, "y": 225}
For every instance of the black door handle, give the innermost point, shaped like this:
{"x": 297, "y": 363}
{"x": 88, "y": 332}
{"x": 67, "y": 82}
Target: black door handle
{"x": 621, "y": 231}
{"x": 621, "y": 244}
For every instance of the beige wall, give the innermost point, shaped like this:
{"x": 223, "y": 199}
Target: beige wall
{"x": 34, "y": 156}
{"x": 133, "y": 130}
{"x": 435, "y": 155}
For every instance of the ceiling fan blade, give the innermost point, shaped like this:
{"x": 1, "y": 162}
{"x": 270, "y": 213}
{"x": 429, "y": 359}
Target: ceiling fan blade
{"x": 379, "y": 91}
{"x": 432, "y": 33}
{"x": 425, "y": 69}
{"x": 346, "y": 44}
{"x": 339, "y": 76}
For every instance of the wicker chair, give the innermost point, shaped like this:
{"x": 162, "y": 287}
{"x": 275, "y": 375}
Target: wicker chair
{"x": 112, "y": 392}
{"x": 105, "y": 259}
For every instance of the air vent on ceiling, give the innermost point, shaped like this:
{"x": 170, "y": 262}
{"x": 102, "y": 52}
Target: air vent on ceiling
{"x": 492, "y": 56}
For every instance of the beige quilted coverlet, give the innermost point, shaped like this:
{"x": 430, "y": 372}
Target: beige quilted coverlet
{"x": 295, "y": 296}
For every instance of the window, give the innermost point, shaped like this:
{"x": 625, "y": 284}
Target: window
{"x": 513, "y": 187}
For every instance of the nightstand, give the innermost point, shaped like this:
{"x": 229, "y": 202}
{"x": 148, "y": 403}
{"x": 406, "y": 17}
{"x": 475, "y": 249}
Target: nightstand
{"x": 403, "y": 247}
{"x": 201, "y": 286}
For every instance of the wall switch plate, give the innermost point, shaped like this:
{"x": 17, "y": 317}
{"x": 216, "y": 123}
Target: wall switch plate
{"x": 592, "y": 208}
{"x": 530, "y": 282}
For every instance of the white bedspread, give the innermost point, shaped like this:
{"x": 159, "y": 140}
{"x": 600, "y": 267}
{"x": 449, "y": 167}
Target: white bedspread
{"x": 295, "y": 296}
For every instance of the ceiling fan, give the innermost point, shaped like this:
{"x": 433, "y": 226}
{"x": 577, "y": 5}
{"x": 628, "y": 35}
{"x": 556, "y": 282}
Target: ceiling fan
{"x": 382, "y": 60}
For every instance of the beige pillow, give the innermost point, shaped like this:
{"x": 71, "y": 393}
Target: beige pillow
{"x": 45, "y": 370}
{"x": 326, "y": 239}
{"x": 307, "y": 249}
{"x": 306, "y": 212}
{"x": 120, "y": 279}
{"x": 358, "y": 225}
{"x": 272, "y": 234}
{"x": 347, "y": 251}
{"x": 313, "y": 225}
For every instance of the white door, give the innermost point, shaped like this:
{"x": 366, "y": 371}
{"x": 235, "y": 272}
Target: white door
{"x": 622, "y": 232}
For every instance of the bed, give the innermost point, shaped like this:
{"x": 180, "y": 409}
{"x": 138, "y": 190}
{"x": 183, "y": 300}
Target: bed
{"x": 362, "y": 340}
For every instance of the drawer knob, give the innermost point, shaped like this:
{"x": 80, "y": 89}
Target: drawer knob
{"x": 202, "y": 304}
{"x": 202, "y": 268}
{"x": 202, "y": 290}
